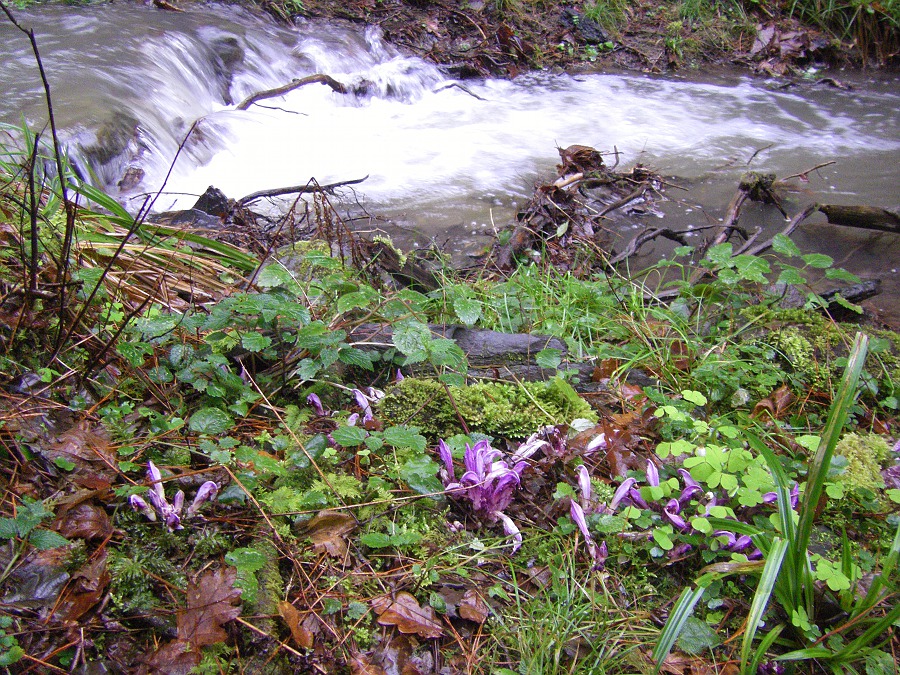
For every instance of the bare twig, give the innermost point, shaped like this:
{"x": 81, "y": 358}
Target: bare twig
{"x": 311, "y": 186}
{"x": 296, "y": 84}
{"x": 459, "y": 86}
{"x": 804, "y": 175}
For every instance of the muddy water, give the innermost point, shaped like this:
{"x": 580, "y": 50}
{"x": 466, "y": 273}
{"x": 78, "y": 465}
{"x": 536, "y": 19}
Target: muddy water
{"x": 444, "y": 163}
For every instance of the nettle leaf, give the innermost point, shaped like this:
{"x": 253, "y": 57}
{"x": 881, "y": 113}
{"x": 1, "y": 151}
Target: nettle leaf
{"x": 549, "y": 358}
{"x": 840, "y": 274}
{"x": 467, "y": 309}
{"x": 247, "y": 562}
{"x": 210, "y": 421}
{"x": 411, "y": 336}
{"x": 274, "y": 274}
{"x": 255, "y": 342}
{"x": 362, "y": 298}
{"x": 420, "y": 473}
{"x": 405, "y": 437}
{"x": 720, "y": 255}
{"x": 752, "y": 268}
{"x": 355, "y": 357}
{"x": 697, "y": 637}
{"x": 376, "y": 540}
{"x": 783, "y": 245}
{"x": 349, "y": 437}
{"x": 818, "y": 260}
{"x": 46, "y": 539}
{"x": 846, "y": 304}
{"x": 791, "y": 277}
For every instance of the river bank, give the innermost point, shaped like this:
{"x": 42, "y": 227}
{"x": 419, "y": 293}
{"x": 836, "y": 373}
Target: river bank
{"x": 506, "y": 38}
{"x": 314, "y": 453}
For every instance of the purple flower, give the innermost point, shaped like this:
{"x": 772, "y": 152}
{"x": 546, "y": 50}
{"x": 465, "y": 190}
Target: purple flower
{"x": 488, "y": 483}
{"x": 584, "y": 482}
{"x": 316, "y": 403}
{"x": 511, "y": 530}
{"x": 652, "y": 474}
{"x": 399, "y": 377}
{"x": 363, "y": 403}
{"x": 621, "y": 493}
{"x": 138, "y": 504}
{"x": 688, "y": 479}
{"x": 206, "y": 493}
{"x": 598, "y": 553}
{"x": 597, "y": 443}
{"x": 671, "y": 511}
{"x": 159, "y": 506}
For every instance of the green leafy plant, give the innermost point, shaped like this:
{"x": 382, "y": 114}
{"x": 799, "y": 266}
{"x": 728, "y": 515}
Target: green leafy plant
{"x": 787, "y": 573}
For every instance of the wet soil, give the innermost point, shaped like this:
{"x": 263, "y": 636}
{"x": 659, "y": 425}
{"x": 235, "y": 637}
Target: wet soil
{"x": 504, "y": 38}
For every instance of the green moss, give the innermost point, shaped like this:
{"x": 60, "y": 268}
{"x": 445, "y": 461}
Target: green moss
{"x": 497, "y": 409}
{"x": 865, "y": 454}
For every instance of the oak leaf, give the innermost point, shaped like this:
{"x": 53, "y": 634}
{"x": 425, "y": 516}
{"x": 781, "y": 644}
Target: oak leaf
{"x": 211, "y": 603}
{"x": 409, "y": 616}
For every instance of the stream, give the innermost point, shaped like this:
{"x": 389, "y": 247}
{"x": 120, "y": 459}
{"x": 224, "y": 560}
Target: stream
{"x": 445, "y": 164}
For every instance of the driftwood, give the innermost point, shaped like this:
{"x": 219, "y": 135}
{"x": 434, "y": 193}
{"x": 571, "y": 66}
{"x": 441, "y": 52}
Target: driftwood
{"x": 866, "y": 217}
{"x": 407, "y": 272}
{"x": 310, "y": 187}
{"x": 296, "y": 84}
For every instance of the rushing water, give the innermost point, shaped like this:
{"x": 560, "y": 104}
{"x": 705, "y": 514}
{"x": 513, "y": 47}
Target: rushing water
{"x": 446, "y": 162}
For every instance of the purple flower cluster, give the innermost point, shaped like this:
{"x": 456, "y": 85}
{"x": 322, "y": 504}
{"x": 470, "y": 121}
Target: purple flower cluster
{"x": 598, "y": 552}
{"x": 170, "y": 514}
{"x": 488, "y": 483}
{"x": 628, "y": 494}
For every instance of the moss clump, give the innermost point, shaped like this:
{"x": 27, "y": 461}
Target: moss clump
{"x": 496, "y": 409}
{"x": 865, "y": 454}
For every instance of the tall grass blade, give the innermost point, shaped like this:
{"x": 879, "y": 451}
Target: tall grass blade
{"x": 681, "y": 612}
{"x": 818, "y": 469}
{"x": 761, "y": 598}
{"x": 887, "y": 569}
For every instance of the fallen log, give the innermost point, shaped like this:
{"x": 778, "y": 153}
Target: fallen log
{"x": 865, "y": 217}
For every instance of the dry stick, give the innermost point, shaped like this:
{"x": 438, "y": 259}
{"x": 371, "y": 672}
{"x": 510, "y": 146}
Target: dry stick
{"x": 734, "y": 211}
{"x": 805, "y": 174}
{"x": 271, "y": 637}
{"x": 459, "y": 86}
{"x": 67, "y": 205}
{"x": 645, "y": 237}
{"x": 623, "y": 201}
{"x": 296, "y": 84}
{"x": 298, "y": 189}
{"x": 33, "y": 264}
{"x": 791, "y": 226}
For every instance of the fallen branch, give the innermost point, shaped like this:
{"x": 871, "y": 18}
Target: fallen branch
{"x": 646, "y": 236}
{"x": 865, "y": 217}
{"x": 296, "y": 84}
{"x": 459, "y": 86}
{"x": 312, "y": 186}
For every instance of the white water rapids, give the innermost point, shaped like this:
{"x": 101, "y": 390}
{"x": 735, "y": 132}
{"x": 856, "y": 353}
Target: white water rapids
{"x": 438, "y": 159}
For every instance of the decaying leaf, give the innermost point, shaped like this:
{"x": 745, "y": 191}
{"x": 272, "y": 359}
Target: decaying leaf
{"x": 361, "y": 664}
{"x": 211, "y": 603}
{"x": 84, "y": 590}
{"x": 775, "y": 406}
{"x": 327, "y": 529}
{"x": 473, "y": 607}
{"x": 409, "y": 616}
{"x": 680, "y": 664}
{"x": 173, "y": 658}
{"x": 86, "y": 447}
{"x": 83, "y": 521}
{"x": 302, "y": 635}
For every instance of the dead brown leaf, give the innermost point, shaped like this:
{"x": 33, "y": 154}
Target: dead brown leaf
{"x": 83, "y": 521}
{"x": 409, "y": 616}
{"x": 777, "y": 405}
{"x": 84, "y": 590}
{"x": 174, "y": 658}
{"x": 294, "y": 620}
{"x": 473, "y": 607}
{"x": 86, "y": 447}
{"x": 361, "y": 664}
{"x": 327, "y": 529}
{"x": 211, "y": 603}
